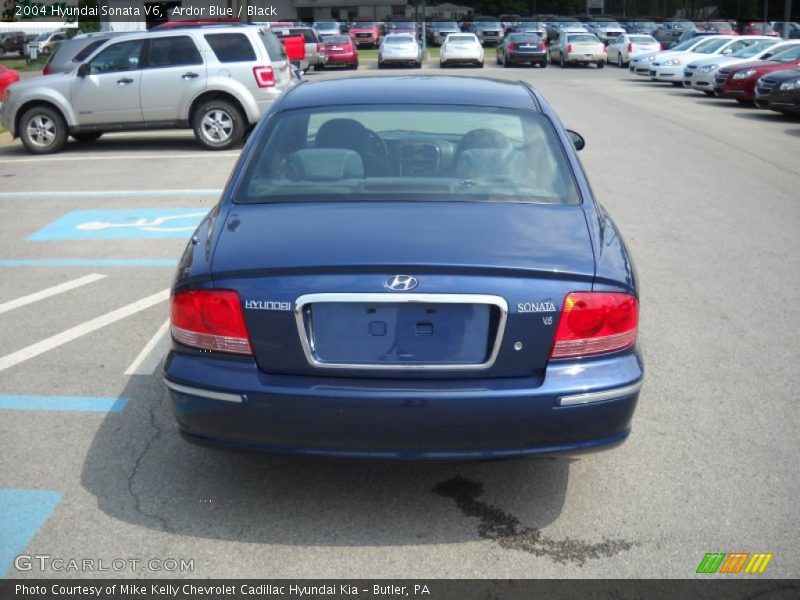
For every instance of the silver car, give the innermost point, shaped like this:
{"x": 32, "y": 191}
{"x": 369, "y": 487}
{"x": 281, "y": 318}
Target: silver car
{"x": 216, "y": 80}
{"x": 578, "y": 48}
{"x": 399, "y": 48}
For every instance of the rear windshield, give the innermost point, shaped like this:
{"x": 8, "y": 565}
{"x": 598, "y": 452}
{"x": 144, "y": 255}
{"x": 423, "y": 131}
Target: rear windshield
{"x": 231, "y": 47}
{"x": 308, "y": 34}
{"x": 523, "y": 38}
{"x": 583, "y": 38}
{"x": 335, "y": 39}
{"x": 422, "y": 153}
{"x": 399, "y": 39}
{"x": 461, "y": 38}
{"x": 642, "y": 39}
{"x": 275, "y": 49}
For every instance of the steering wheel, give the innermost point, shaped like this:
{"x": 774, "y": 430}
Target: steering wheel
{"x": 377, "y": 146}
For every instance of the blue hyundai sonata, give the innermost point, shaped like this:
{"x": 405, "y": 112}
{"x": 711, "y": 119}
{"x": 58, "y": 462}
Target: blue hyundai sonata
{"x": 407, "y": 267}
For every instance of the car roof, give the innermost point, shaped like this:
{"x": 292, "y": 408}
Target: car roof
{"x": 423, "y": 90}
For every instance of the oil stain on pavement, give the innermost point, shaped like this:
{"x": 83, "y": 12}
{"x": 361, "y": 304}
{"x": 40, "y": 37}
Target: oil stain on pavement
{"x": 505, "y": 529}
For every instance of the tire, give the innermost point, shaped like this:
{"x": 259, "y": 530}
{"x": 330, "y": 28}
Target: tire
{"x": 418, "y": 65}
{"x": 43, "y": 130}
{"x": 743, "y": 101}
{"x": 442, "y": 65}
{"x": 480, "y": 65}
{"x": 676, "y": 83}
{"x": 561, "y": 62}
{"x": 87, "y": 137}
{"x": 353, "y": 66}
{"x": 218, "y": 125}
{"x": 543, "y": 64}
{"x": 710, "y": 94}
{"x": 505, "y": 62}
{"x": 381, "y": 65}
{"x": 319, "y": 67}
{"x": 620, "y": 62}
{"x": 601, "y": 65}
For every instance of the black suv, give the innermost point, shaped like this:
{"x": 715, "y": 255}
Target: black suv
{"x": 11, "y": 42}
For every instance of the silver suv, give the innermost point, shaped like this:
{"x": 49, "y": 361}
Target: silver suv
{"x": 216, "y": 80}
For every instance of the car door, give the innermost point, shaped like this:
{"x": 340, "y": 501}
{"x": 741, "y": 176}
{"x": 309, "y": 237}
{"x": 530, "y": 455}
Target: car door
{"x": 109, "y": 91}
{"x": 174, "y": 73}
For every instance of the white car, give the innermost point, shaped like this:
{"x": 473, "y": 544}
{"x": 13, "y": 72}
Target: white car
{"x": 461, "y": 48}
{"x": 583, "y": 48}
{"x": 399, "y": 48}
{"x": 640, "y": 64}
{"x": 700, "y": 74}
{"x": 630, "y": 45}
{"x": 670, "y": 67}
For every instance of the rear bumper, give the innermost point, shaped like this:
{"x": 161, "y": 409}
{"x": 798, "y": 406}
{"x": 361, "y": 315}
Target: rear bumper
{"x": 522, "y": 57}
{"x": 585, "y": 58}
{"x": 577, "y": 406}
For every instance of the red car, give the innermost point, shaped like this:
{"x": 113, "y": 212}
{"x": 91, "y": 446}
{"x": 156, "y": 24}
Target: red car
{"x": 341, "y": 51}
{"x": 7, "y": 77}
{"x": 758, "y": 28}
{"x": 739, "y": 81}
{"x": 365, "y": 32}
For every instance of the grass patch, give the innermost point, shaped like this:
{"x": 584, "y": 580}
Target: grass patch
{"x": 21, "y": 65}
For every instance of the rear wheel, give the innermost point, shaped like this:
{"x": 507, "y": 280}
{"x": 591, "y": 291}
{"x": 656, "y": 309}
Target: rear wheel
{"x": 543, "y": 64}
{"x": 218, "y": 125}
{"x": 354, "y": 66}
{"x": 742, "y": 101}
{"x": 43, "y": 130}
{"x": 620, "y": 62}
{"x": 442, "y": 64}
{"x": 708, "y": 93}
{"x": 87, "y": 137}
{"x": 677, "y": 83}
{"x": 505, "y": 62}
{"x": 319, "y": 67}
{"x": 601, "y": 65}
{"x": 480, "y": 64}
{"x": 561, "y": 62}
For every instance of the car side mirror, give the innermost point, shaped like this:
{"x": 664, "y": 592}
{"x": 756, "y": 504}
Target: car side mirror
{"x": 577, "y": 139}
{"x": 83, "y": 70}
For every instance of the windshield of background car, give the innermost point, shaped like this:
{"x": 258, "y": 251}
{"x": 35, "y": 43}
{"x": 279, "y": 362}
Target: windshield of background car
{"x": 420, "y": 153}
{"x": 530, "y": 25}
{"x": 43, "y": 37}
{"x": 685, "y": 45}
{"x": 646, "y": 24}
{"x": 791, "y": 54}
{"x": 642, "y": 39}
{"x": 753, "y": 49}
{"x": 711, "y": 47}
{"x": 363, "y": 25}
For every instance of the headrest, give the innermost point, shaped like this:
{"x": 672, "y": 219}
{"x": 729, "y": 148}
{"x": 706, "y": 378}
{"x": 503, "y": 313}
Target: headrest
{"x": 488, "y": 163}
{"x": 325, "y": 164}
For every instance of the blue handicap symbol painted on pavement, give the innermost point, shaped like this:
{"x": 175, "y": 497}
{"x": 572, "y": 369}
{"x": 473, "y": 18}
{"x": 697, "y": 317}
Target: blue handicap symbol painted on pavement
{"x": 126, "y": 224}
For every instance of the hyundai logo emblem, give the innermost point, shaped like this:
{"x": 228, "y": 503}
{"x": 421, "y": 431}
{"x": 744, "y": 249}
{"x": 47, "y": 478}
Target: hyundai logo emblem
{"x": 400, "y": 283}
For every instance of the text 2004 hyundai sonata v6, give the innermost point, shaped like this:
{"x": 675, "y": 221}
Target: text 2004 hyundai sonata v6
{"x": 408, "y": 267}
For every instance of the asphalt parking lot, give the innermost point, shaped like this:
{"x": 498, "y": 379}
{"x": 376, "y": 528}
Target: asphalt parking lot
{"x": 91, "y": 466}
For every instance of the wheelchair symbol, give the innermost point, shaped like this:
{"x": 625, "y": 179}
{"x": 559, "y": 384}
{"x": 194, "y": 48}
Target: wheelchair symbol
{"x": 156, "y": 224}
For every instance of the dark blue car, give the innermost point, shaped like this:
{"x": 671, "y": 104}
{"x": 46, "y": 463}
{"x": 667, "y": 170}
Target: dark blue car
{"x": 407, "y": 267}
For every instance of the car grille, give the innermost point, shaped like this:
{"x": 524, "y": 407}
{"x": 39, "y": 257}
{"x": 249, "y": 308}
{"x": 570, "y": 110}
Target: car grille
{"x": 687, "y": 73}
{"x": 722, "y": 75}
{"x": 765, "y": 86}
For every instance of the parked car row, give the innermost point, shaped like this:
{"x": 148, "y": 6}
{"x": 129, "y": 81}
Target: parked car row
{"x": 753, "y": 70}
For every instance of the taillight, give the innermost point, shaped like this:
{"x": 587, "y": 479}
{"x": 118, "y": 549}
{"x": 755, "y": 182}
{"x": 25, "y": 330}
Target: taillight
{"x": 630, "y": 48}
{"x": 595, "y": 323}
{"x": 661, "y": 47}
{"x": 511, "y": 46}
{"x": 265, "y": 76}
{"x": 46, "y": 70}
{"x": 210, "y": 320}
{"x": 569, "y": 48}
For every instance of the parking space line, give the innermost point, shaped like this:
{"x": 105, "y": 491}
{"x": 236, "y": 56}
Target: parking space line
{"x": 85, "y": 157}
{"x": 22, "y": 514}
{"x": 103, "y": 404}
{"x": 83, "y": 195}
{"x": 88, "y": 262}
{"x": 147, "y": 360}
{"x": 73, "y": 333}
{"x": 49, "y": 292}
